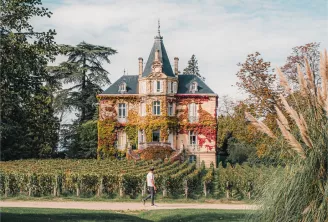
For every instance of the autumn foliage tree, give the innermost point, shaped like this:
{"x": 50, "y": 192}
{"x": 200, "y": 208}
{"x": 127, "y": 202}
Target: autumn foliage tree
{"x": 310, "y": 51}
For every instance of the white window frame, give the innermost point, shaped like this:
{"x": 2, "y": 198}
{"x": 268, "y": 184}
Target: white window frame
{"x": 158, "y": 86}
{"x": 142, "y": 109}
{"x": 175, "y": 87}
{"x": 194, "y": 87}
{"x": 193, "y": 141}
{"x": 142, "y": 136}
{"x": 156, "y": 108}
{"x": 122, "y": 111}
{"x": 170, "y": 110}
{"x": 122, "y": 87}
{"x": 192, "y": 113}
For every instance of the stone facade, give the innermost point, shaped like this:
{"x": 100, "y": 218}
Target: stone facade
{"x": 164, "y": 108}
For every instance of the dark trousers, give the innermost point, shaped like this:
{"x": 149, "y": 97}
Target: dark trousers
{"x": 151, "y": 195}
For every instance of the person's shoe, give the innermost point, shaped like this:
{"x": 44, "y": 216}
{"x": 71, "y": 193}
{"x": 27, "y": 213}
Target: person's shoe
{"x": 144, "y": 202}
{"x": 154, "y": 205}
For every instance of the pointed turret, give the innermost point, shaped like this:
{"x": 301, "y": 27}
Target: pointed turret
{"x": 163, "y": 58}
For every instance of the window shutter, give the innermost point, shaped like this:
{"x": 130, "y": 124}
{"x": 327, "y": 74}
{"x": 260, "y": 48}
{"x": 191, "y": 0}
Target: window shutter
{"x": 169, "y": 87}
{"x": 124, "y": 140}
{"x": 173, "y": 109}
{"x": 143, "y": 109}
{"x": 155, "y": 86}
{"x": 162, "y": 85}
{"x": 175, "y": 87}
{"x": 139, "y": 137}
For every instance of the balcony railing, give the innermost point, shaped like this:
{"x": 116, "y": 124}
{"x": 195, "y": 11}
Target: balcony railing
{"x": 122, "y": 119}
{"x": 197, "y": 148}
{"x": 193, "y": 119}
{"x": 150, "y": 144}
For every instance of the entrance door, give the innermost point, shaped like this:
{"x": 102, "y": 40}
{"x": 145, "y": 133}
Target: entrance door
{"x": 156, "y": 136}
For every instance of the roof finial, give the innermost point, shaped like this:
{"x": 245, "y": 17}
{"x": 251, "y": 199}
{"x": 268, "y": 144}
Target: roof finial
{"x": 159, "y": 28}
{"x": 124, "y": 72}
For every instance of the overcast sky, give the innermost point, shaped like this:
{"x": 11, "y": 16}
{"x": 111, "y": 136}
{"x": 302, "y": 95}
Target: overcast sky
{"x": 220, "y": 33}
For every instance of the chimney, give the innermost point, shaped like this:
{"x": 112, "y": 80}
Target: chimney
{"x": 140, "y": 66}
{"x": 157, "y": 55}
{"x": 176, "y": 62}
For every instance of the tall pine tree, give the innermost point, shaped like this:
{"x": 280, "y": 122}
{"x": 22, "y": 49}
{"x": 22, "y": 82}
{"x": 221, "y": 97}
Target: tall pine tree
{"x": 29, "y": 128}
{"x": 83, "y": 69}
{"x": 192, "y": 68}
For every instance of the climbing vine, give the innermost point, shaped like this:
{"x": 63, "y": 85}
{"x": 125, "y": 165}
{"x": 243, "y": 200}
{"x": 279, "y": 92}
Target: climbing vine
{"x": 108, "y": 125}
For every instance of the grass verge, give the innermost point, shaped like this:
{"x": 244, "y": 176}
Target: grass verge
{"x": 182, "y": 215}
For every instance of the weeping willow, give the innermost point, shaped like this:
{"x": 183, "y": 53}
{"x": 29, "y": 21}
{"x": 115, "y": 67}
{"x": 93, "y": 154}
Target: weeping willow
{"x": 300, "y": 193}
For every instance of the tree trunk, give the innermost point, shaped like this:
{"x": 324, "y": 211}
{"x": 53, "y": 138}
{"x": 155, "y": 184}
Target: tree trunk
{"x": 83, "y": 86}
{"x": 186, "y": 188}
{"x": 144, "y": 190}
{"x": 165, "y": 192}
{"x": 77, "y": 191}
{"x": 100, "y": 188}
{"x": 249, "y": 195}
{"x": 205, "y": 190}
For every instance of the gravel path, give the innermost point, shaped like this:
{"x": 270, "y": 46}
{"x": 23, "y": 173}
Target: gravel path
{"x": 121, "y": 206}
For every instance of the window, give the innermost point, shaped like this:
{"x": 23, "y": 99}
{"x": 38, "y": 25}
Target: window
{"x": 121, "y": 110}
{"x": 193, "y": 87}
{"x": 156, "y": 136}
{"x": 120, "y": 139}
{"x": 170, "y": 109}
{"x": 175, "y": 88}
{"x": 192, "y": 138}
{"x": 122, "y": 87}
{"x": 157, "y": 108}
{"x": 158, "y": 86}
{"x": 170, "y": 86}
{"x": 142, "y": 136}
{"x": 142, "y": 109}
{"x": 192, "y": 112}
{"x": 143, "y": 87}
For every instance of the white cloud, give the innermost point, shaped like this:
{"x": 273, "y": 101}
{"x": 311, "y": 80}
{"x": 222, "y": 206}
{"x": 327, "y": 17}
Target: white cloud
{"x": 218, "y": 35}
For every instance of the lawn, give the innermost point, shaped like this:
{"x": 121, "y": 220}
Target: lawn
{"x": 36, "y": 215}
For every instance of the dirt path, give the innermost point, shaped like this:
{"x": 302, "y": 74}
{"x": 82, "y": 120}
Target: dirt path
{"x": 122, "y": 206}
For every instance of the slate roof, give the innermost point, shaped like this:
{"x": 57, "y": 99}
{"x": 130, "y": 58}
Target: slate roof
{"x": 167, "y": 68}
{"x": 186, "y": 80}
{"x": 131, "y": 85}
{"x": 183, "y": 87}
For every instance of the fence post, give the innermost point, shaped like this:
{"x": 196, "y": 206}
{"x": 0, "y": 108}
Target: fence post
{"x": 121, "y": 189}
{"x": 186, "y": 188}
{"x": 204, "y": 189}
{"x": 144, "y": 190}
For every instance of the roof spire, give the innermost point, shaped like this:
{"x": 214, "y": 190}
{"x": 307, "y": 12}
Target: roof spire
{"x": 159, "y": 28}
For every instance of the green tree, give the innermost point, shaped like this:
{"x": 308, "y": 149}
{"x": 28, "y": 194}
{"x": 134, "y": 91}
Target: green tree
{"x": 29, "y": 128}
{"x": 83, "y": 69}
{"x": 192, "y": 68}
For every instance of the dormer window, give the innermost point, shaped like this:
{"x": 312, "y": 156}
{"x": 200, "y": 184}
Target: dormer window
{"x": 194, "y": 87}
{"x": 122, "y": 87}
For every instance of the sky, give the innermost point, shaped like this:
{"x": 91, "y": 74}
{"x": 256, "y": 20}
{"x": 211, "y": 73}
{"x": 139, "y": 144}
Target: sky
{"x": 221, "y": 33}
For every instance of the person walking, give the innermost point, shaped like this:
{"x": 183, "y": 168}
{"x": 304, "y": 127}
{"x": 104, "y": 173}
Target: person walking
{"x": 151, "y": 187}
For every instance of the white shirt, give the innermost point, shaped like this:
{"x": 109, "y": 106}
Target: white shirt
{"x": 150, "y": 177}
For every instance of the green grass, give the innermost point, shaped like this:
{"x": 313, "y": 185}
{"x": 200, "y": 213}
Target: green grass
{"x": 36, "y": 215}
{"x": 158, "y": 199}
